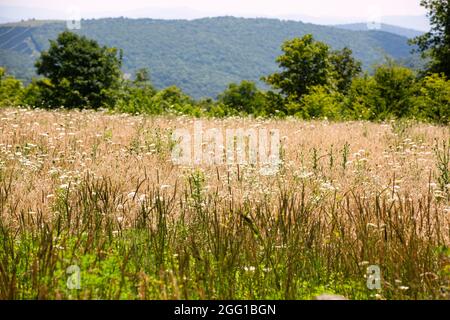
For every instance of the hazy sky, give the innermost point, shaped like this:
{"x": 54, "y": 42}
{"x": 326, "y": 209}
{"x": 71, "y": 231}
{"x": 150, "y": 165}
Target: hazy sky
{"x": 335, "y": 8}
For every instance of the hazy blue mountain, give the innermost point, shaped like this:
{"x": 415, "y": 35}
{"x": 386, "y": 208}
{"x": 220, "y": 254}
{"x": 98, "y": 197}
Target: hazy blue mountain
{"x": 17, "y": 13}
{"x": 11, "y": 13}
{"x": 409, "y": 33}
{"x": 201, "y": 56}
{"x": 419, "y": 23}
{"x": 4, "y": 20}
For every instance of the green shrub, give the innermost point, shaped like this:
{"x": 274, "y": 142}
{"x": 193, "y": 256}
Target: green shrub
{"x": 244, "y": 97}
{"x": 388, "y": 94}
{"x": 394, "y": 89}
{"x": 133, "y": 99}
{"x": 171, "y": 100}
{"x": 320, "y": 102}
{"x": 33, "y": 94}
{"x": 11, "y": 90}
{"x": 360, "y": 102}
{"x": 433, "y": 101}
{"x": 215, "y": 109}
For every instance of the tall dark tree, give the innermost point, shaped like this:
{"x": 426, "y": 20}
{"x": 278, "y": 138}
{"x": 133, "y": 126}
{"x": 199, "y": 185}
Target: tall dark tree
{"x": 436, "y": 43}
{"x": 81, "y": 73}
{"x": 346, "y": 68}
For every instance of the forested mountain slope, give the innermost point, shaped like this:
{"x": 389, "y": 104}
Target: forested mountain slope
{"x": 200, "y": 56}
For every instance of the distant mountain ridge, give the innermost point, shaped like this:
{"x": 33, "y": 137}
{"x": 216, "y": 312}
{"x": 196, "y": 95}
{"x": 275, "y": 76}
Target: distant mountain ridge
{"x": 408, "y": 33}
{"x": 201, "y": 56}
{"x": 12, "y": 13}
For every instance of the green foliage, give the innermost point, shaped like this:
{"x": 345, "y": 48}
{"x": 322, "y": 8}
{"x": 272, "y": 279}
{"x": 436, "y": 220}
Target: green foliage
{"x": 323, "y": 102}
{"x": 37, "y": 93}
{"x": 136, "y": 96}
{"x": 346, "y": 68}
{"x": 173, "y": 100}
{"x": 436, "y": 43}
{"x": 202, "y": 57}
{"x": 388, "y": 94}
{"x": 433, "y": 101}
{"x": 244, "y": 97}
{"x": 142, "y": 79}
{"x": 394, "y": 88}
{"x": 275, "y": 104}
{"x": 360, "y": 100}
{"x": 314, "y": 78}
{"x": 81, "y": 73}
{"x": 320, "y": 102}
{"x": 305, "y": 63}
{"x": 314, "y": 82}
{"x": 140, "y": 96}
{"x": 11, "y": 90}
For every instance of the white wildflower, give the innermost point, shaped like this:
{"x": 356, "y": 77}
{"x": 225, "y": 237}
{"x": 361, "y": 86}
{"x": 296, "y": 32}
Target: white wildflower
{"x": 141, "y": 198}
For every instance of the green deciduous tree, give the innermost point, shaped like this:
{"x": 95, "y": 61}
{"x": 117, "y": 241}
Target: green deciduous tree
{"x": 394, "y": 89}
{"x": 37, "y": 92}
{"x": 136, "y": 96}
{"x": 433, "y": 101}
{"x": 345, "y": 67}
{"x": 11, "y": 90}
{"x": 305, "y": 63}
{"x": 436, "y": 43}
{"x": 174, "y": 100}
{"x": 244, "y": 97}
{"x": 388, "y": 94}
{"x": 361, "y": 99}
{"x": 320, "y": 102}
{"x": 81, "y": 72}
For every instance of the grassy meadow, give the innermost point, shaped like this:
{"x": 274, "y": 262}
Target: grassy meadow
{"x": 99, "y": 191}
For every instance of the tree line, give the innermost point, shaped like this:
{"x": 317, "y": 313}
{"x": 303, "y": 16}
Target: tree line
{"x": 313, "y": 81}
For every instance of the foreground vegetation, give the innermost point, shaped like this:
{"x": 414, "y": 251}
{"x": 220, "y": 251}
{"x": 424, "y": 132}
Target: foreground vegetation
{"x": 97, "y": 196}
{"x": 98, "y": 191}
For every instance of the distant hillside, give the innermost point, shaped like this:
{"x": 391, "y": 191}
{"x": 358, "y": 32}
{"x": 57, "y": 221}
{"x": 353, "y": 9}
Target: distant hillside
{"x": 409, "y": 33}
{"x": 201, "y": 56}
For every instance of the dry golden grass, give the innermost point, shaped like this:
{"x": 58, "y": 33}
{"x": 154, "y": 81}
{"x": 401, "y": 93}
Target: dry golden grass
{"x": 50, "y": 149}
{"x": 380, "y": 202}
